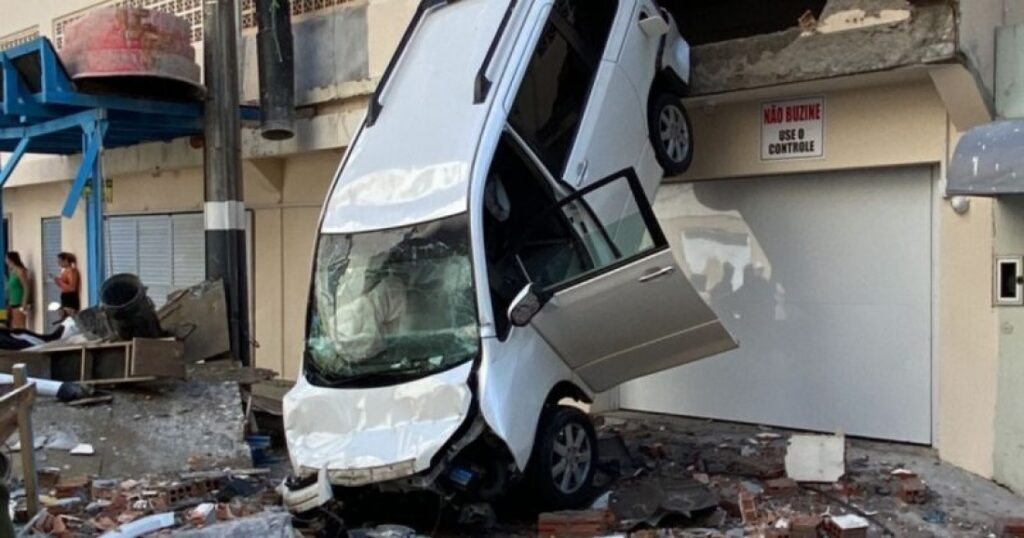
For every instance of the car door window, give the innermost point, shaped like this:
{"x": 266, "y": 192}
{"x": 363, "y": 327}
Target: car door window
{"x": 552, "y": 98}
{"x": 610, "y": 224}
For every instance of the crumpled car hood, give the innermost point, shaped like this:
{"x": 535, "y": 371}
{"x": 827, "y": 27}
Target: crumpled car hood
{"x": 365, "y": 436}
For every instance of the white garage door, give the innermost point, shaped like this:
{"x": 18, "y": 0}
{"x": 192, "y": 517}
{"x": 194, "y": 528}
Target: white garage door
{"x": 825, "y": 279}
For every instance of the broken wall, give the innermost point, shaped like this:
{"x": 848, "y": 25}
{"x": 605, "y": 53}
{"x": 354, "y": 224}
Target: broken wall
{"x": 851, "y": 37}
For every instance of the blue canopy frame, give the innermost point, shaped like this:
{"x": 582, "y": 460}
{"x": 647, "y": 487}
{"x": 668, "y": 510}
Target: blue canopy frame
{"x": 41, "y": 111}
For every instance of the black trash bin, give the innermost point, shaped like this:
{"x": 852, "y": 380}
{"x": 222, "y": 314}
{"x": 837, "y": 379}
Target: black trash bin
{"x": 129, "y": 309}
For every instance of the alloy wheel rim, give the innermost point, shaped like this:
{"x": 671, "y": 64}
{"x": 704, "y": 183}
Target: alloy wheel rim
{"x": 572, "y": 458}
{"x": 675, "y": 134}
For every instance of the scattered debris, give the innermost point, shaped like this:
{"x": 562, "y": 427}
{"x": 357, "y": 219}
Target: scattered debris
{"x": 816, "y": 458}
{"x": 83, "y": 449}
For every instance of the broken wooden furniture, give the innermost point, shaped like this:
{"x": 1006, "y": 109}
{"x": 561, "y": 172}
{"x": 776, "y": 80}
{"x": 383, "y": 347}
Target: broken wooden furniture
{"x": 140, "y": 359}
{"x": 16, "y": 416}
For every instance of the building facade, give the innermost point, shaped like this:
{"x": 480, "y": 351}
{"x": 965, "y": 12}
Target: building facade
{"x": 814, "y": 218}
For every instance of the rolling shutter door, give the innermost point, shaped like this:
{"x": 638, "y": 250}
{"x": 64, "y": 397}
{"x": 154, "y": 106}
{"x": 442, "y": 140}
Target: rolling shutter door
{"x": 51, "y": 248}
{"x": 189, "y": 249}
{"x": 166, "y": 251}
{"x": 155, "y": 256}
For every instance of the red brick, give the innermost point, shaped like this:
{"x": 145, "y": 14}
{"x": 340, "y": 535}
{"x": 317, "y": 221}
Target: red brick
{"x": 748, "y": 507}
{"x": 575, "y": 523}
{"x": 1013, "y": 528}
{"x": 912, "y": 491}
{"x": 781, "y": 487}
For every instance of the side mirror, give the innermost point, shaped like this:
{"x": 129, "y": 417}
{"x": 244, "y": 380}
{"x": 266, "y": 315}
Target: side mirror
{"x": 524, "y": 307}
{"x": 654, "y": 26}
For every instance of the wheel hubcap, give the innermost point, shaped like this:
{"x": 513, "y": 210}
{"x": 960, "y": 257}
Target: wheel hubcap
{"x": 571, "y": 461}
{"x": 675, "y": 134}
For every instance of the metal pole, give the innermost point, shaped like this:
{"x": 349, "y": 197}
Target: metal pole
{"x": 3, "y": 251}
{"x": 222, "y": 162}
{"x": 94, "y": 219}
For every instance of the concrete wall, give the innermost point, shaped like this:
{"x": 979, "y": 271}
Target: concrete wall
{"x": 901, "y": 123}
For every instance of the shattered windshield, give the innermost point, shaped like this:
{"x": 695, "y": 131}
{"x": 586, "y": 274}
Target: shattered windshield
{"x": 392, "y": 305}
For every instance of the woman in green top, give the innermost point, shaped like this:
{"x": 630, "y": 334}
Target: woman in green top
{"x": 17, "y": 291}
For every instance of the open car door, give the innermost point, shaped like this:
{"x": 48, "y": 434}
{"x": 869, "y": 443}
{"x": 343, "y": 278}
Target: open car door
{"x": 616, "y": 305}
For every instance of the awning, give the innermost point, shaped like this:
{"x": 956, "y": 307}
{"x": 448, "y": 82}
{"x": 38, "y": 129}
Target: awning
{"x": 989, "y": 161}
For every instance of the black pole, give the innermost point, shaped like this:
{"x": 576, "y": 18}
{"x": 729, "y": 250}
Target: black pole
{"x": 274, "y": 47}
{"x": 222, "y": 162}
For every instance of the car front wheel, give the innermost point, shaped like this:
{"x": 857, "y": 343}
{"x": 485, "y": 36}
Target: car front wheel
{"x": 671, "y": 133}
{"x": 564, "y": 458}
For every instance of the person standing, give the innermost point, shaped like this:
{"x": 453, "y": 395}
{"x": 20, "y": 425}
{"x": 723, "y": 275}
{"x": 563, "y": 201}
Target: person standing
{"x": 17, "y": 292}
{"x": 69, "y": 281}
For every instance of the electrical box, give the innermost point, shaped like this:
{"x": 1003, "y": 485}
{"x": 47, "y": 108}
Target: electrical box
{"x": 1009, "y": 281}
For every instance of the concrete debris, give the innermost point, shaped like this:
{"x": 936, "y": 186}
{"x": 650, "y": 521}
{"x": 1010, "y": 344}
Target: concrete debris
{"x": 83, "y": 449}
{"x": 846, "y": 526}
{"x": 816, "y": 458}
{"x": 87, "y": 507}
{"x": 274, "y": 523}
{"x": 385, "y": 531}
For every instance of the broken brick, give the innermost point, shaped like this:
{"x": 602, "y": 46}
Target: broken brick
{"x": 848, "y": 526}
{"x": 579, "y": 523}
{"x": 48, "y": 477}
{"x": 656, "y": 451}
{"x": 913, "y": 491}
{"x": 748, "y": 507}
{"x": 1013, "y": 528}
{"x": 76, "y": 486}
{"x": 804, "y": 527}
{"x": 781, "y": 487}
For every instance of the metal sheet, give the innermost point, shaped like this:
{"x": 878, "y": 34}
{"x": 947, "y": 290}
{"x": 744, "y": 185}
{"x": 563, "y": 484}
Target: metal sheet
{"x": 369, "y": 435}
{"x": 989, "y": 160}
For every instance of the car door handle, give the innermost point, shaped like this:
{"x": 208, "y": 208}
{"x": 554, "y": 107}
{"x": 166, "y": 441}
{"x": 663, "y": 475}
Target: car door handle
{"x": 581, "y": 170}
{"x": 656, "y": 274}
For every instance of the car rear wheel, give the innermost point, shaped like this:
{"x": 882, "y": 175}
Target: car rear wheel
{"x": 671, "y": 133}
{"x": 564, "y": 458}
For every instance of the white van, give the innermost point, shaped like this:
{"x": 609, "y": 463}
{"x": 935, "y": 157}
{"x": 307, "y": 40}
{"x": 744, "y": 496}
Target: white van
{"x": 488, "y": 250}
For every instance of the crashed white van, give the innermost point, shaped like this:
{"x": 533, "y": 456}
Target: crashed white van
{"x": 488, "y": 250}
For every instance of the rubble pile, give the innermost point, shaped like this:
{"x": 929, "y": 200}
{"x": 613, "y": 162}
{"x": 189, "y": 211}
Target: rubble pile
{"x": 708, "y": 481}
{"x": 81, "y": 506}
{"x": 151, "y": 398}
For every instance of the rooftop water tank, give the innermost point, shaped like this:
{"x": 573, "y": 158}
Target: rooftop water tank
{"x": 132, "y": 52}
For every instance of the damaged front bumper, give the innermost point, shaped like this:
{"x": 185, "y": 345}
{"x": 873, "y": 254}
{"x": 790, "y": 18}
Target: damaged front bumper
{"x": 361, "y": 437}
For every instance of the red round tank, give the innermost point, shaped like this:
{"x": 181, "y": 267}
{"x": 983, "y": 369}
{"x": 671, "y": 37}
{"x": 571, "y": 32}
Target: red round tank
{"x": 132, "y": 51}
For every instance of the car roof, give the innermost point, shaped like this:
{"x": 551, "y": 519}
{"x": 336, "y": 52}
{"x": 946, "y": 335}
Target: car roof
{"x": 414, "y": 163}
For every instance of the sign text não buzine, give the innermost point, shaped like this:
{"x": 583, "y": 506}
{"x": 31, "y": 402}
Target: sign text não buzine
{"x": 793, "y": 129}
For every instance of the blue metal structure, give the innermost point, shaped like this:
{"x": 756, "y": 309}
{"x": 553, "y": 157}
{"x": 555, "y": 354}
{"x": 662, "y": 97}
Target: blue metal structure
{"x": 41, "y": 111}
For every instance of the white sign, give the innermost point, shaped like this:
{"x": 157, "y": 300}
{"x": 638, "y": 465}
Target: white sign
{"x": 793, "y": 129}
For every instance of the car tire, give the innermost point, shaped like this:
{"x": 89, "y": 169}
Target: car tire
{"x": 564, "y": 459}
{"x": 671, "y": 133}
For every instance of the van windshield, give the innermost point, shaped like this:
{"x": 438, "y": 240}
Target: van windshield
{"x": 391, "y": 306}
